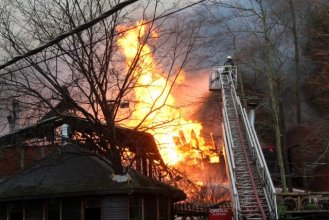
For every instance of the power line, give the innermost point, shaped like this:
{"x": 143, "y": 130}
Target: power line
{"x": 79, "y": 29}
{"x": 69, "y": 33}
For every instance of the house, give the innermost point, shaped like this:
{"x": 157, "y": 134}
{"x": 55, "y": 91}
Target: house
{"x": 44, "y": 178}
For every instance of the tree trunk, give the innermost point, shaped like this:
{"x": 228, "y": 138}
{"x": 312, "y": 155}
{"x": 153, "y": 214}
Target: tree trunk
{"x": 274, "y": 91}
{"x": 296, "y": 60}
{"x": 115, "y": 158}
{"x": 113, "y": 151}
{"x": 284, "y": 149}
{"x": 276, "y": 117}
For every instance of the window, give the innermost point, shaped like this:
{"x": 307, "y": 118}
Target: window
{"x": 34, "y": 210}
{"x": 135, "y": 207}
{"x": 53, "y": 212}
{"x": 16, "y": 216}
{"x": 3, "y": 211}
{"x": 92, "y": 209}
{"x": 71, "y": 208}
{"x": 164, "y": 208}
{"x": 150, "y": 207}
{"x": 16, "y": 211}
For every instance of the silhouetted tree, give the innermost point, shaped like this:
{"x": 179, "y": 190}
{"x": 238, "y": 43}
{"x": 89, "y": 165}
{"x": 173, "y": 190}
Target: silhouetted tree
{"x": 88, "y": 69}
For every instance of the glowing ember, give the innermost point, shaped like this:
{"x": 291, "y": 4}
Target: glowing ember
{"x": 179, "y": 138}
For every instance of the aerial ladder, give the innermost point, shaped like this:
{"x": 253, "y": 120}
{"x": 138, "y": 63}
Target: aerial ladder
{"x": 252, "y": 190}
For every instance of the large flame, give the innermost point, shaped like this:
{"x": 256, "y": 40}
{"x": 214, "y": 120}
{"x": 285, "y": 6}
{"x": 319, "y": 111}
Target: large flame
{"x": 179, "y": 138}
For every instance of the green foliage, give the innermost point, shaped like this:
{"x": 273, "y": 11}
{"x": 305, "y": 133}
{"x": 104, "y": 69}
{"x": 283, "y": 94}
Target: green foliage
{"x": 311, "y": 206}
{"x": 282, "y": 209}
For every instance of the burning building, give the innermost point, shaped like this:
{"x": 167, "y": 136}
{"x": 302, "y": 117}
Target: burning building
{"x": 182, "y": 142}
{"x": 42, "y": 177}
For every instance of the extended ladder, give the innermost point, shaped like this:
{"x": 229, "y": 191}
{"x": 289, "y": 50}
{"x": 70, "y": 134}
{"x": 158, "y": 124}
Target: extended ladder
{"x": 253, "y": 193}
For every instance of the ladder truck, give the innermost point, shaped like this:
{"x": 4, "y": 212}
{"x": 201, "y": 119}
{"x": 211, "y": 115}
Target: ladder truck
{"x": 252, "y": 190}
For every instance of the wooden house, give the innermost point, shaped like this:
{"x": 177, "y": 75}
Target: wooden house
{"x": 42, "y": 178}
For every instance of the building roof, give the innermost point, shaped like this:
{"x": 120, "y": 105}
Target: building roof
{"x": 73, "y": 172}
{"x": 126, "y": 137}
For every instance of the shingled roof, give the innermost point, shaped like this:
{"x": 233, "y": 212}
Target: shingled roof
{"x": 126, "y": 137}
{"x": 71, "y": 172}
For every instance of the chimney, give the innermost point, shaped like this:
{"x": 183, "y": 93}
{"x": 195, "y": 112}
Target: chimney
{"x": 251, "y": 114}
{"x": 10, "y": 122}
{"x": 65, "y": 131}
{"x": 15, "y": 118}
{"x": 111, "y": 107}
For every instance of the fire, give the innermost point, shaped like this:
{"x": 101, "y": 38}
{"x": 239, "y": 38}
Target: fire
{"x": 156, "y": 104}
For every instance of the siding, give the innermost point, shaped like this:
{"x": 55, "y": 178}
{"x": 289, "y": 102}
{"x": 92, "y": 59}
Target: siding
{"x": 115, "y": 208}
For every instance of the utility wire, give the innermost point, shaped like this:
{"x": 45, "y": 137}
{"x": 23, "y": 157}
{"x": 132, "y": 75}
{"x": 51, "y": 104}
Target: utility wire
{"x": 69, "y": 33}
{"x": 39, "y": 49}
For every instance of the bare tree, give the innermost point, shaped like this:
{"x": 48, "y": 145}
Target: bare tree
{"x": 317, "y": 86}
{"x": 88, "y": 70}
{"x": 293, "y": 16}
{"x": 260, "y": 28}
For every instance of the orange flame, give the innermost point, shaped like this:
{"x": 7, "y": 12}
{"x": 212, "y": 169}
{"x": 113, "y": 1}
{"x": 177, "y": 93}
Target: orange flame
{"x": 156, "y": 105}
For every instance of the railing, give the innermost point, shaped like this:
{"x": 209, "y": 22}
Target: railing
{"x": 254, "y": 147}
{"x": 215, "y": 73}
{"x": 231, "y": 168}
{"x": 258, "y": 157}
{"x": 182, "y": 209}
{"x": 304, "y": 202}
{"x": 262, "y": 169}
{"x": 189, "y": 209}
{"x": 229, "y": 153}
